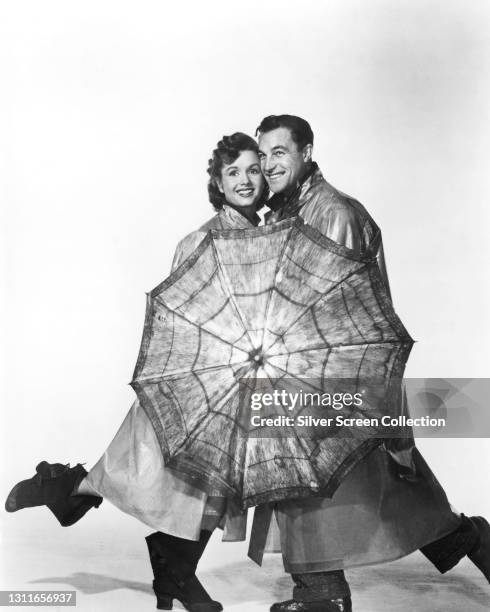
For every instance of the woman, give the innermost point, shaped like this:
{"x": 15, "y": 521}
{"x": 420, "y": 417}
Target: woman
{"x": 131, "y": 473}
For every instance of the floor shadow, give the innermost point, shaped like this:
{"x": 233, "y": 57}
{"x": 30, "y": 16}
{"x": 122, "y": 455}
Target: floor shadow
{"x": 413, "y": 579}
{"x": 90, "y": 583}
{"x": 239, "y": 581}
{"x": 244, "y": 581}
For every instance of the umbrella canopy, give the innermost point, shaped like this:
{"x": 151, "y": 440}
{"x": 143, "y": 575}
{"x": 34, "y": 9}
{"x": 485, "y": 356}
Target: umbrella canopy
{"x": 275, "y": 307}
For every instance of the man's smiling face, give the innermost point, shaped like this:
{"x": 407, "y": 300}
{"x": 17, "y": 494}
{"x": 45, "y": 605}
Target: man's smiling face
{"x": 282, "y": 163}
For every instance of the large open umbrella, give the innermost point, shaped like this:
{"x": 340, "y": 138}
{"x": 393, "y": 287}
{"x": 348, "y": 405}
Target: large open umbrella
{"x": 276, "y": 307}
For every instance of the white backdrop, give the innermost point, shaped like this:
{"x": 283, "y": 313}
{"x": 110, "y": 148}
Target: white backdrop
{"x": 110, "y": 111}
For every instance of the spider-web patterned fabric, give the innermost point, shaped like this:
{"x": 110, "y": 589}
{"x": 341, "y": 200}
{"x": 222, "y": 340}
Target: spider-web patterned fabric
{"x": 279, "y": 306}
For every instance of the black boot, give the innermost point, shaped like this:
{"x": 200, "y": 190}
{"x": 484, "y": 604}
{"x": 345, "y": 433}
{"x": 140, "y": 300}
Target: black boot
{"x": 52, "y": 486}
{"x": 174, "y": 562}
{"x": 317, "y": 592}
{"x": 480, "y": 554}
{"x": 471, "y": 538}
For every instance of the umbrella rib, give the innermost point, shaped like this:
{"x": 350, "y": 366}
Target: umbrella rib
{"x": 271, "y": 291}
{"x": 400, "y": 348}
{"x": 205, "y": 395}
{"x": 319, "y": 329}
{"x": 217, "y": 447}
{"x": 171, "y": 346}
{"x": 307, "y": 457}
{"x": 309, "y": 272}
{"x": 367, "y": 345}
{"x": 361, "y": 361}
{"x": 199, "y": 290}
{"x": 198, "y": 349}
{"x": 287, "y": 375}
{"x": 250, "y": 263}
{"x": 339, "y": 345}
{"x": 217, "y": 312}
{"x": 366, "y": 310}
{"x": 325, "y": 363}
{"x": 176, "y": 400}
{"x": 349, "y": 314}
{"x": 320, "y": 297}
{"x": 387, "y": 318}
{"x": 219, "y": 403}
{"x": 290, "y": 299}
{"x": 226, "y": 289}
{"x": 189, "y": 433}
{"x": 328, "y": 348}
{"x": 181, "y": 316}
{"x": 383, "y": 299}
{"x": 223, "y": 399}
{"x": 178, "y": 374}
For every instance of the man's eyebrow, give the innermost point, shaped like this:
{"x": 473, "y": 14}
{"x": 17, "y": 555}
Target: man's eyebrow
{"x": 276, "y": 148}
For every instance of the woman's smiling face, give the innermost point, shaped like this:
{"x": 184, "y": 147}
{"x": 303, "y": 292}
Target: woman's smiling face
{"x": 241, "y": 181}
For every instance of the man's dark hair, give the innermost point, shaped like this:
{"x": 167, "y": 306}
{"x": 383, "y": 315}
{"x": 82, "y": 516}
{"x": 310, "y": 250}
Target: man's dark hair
{"x": 301, "y": 131}
{"x": 227, "y": 151}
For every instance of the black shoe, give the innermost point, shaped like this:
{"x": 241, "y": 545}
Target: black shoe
{"x": 52, "y": 486}
{"x": 174, "y": 562}
{"x": 190, "y": 592}
{"x": 480, "y": 554}
{"x": 343, "y": 604}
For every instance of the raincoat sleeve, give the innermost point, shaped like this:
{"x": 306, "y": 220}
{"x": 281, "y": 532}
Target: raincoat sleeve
{"x": 185, "y": 248}
{"x": 177, "y": 258}
{"x": 343, "y": 225}
{"x": 380, "y": 257}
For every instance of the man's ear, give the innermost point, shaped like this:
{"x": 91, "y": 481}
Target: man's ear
{"x": 307, "y": 152}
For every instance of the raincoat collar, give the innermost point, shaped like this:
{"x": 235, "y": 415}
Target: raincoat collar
{"x": 283, "y": 207}
{"x": 233, "y": 218}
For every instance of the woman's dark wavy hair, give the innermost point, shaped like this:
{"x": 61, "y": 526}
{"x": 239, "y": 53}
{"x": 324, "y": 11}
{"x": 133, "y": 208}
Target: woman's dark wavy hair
{"x": 227, "y": 151}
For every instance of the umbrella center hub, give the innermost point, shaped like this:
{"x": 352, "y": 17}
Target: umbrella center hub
{"x": 256, "y": 357}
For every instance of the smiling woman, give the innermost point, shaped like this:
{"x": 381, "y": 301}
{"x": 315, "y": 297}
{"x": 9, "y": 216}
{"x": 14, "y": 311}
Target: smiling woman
{"x": 235, "y": 176}
{"x": 242, "y": 180}
{"x": 131, "y": 473}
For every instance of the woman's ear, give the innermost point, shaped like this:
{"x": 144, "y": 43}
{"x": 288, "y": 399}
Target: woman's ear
{"x": 219, "y": 184}
{"x": 307, "y": 152}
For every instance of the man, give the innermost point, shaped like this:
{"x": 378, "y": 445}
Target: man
{"x": 391, "y": 504}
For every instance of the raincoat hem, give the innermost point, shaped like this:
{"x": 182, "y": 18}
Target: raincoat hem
{"x": 322, "y": 566}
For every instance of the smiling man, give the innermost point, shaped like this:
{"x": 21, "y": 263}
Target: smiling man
{"x": 390, "y": 504}
{"x": 285, "y": 152}
{"x": 284, "y": 161}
